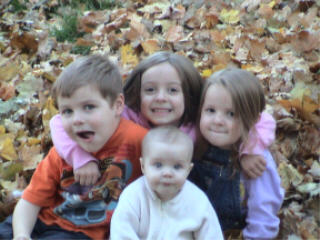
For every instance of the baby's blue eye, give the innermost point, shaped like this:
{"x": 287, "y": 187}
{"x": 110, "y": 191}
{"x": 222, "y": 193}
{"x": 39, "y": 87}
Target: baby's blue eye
{"x": 177, "y": 166}
{"x": 158, "y": 164}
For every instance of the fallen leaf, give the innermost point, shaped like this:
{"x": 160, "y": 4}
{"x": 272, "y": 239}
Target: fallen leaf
{"x": 175, "y": 33}
{"x": 229, "y": 16}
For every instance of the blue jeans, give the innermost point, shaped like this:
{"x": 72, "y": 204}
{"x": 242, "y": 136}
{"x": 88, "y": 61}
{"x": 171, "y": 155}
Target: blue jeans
{"x": 40, "y": 231}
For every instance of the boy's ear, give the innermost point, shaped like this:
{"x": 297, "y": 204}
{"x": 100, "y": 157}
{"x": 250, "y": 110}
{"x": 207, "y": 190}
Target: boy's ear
{"x": 119, "y": 104}
{"x": 142, "y": 165}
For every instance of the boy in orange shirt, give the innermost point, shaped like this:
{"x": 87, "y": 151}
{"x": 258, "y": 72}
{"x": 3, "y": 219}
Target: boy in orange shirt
{"x": 90, "y": 101}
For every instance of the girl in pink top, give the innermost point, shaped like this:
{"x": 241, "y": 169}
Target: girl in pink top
{"x": 164, "y": 89}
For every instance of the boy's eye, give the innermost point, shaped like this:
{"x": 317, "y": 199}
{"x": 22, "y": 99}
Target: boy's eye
{"x": 177, "y": 166}
{"x": 66, "y": 111}
{"x": 158, "y": 164}
{"x": 89, "y": 107}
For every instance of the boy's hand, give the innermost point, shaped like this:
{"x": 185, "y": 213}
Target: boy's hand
{"x": 253, "y": 165}
{"x": 88, "y": 174}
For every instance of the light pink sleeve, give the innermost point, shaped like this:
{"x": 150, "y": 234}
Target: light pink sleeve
{"x": 262, "y": 136}
{"x": 69, "y": 150}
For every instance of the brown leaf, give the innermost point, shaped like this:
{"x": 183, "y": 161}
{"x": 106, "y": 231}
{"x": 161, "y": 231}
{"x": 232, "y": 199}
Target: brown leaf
{"x": 306, "y": 40}
{"x": 175, "y": 33}
{"x": 6, "y": 91}
{"x": 24, "y": 41}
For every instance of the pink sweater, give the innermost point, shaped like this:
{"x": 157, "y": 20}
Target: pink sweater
{"x": 259, "y": 139}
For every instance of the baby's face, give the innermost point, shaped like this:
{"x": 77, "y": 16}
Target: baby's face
{"x": 166, "y": 168}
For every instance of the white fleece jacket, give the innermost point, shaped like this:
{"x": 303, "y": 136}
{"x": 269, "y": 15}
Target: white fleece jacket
{"x": 140, "y": 214}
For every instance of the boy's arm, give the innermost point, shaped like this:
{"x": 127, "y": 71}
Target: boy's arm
{"x": 252, "y": 161}
{"x": 24, "y": 217}
{"x": 85, "y": 171}
{"x": 264, "y": 201}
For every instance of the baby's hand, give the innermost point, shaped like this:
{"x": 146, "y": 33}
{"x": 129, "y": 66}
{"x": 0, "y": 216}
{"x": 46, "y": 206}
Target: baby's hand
{"x": 253, "y": 166}
{"x": 88, "y": 174}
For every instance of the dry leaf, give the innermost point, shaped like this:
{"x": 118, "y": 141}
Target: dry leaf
{"x": 229, "y": 16}
{"x": 174, "y": 34}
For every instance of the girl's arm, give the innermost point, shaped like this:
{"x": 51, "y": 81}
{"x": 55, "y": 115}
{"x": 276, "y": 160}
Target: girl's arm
{"x": 260, "y": 138}
{"x": 265, "y": 197}
{"x": 24, "y": 218}
{"x": 85, "y": 171}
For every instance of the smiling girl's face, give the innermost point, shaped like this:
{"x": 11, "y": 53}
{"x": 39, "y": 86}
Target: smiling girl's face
{"x": 162, "y": 99}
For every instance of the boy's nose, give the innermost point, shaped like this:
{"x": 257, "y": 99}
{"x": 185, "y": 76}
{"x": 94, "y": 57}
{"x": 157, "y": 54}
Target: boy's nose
{"x": 77, "y": 119}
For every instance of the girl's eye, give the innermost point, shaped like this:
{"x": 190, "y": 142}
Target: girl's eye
{"x": 230, "y": 114}
{"x": 66, "y": 111}
{"x": 210, "y": 110}
{"x": 173, "y": 90}
{"x": 149, "y": 89}
{"x": 89, "y": 107}
{"x": 177, "y": 166}
{"x": 158, "y": 164}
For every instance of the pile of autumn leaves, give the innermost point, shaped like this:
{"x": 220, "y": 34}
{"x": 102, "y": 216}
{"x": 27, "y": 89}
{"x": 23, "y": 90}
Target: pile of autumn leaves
{"x": 277, "y": 40}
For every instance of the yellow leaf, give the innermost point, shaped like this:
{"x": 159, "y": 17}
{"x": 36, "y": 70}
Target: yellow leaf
{"x": 2, "y": 130}
{"x": 271, "y": 4}
{"x": 49, "y": 110}
{"x": 206, "y": 73}
{"x": 252, "y": 68}
{"x": 230, "y": 17}
{"x": 7, "y": 150}
{"x": 33, "y": 141}
{"x": 128, "y": 56}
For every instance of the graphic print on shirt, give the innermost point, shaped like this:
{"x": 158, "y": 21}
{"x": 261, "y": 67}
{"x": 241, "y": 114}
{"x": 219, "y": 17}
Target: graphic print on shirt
{"x": 87, "y": 205}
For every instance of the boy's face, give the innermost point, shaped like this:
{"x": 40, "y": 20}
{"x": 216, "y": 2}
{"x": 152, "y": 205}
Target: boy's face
{"x": 162, "y": 99}
{"x": 218, "y": 123}
{"x": 88, "y": 118}
{"x": 166, "y": 168}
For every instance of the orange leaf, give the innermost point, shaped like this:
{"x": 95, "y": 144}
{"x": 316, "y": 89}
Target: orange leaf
{"x": 150, "y": 46}
{"x": 6, "y": 91}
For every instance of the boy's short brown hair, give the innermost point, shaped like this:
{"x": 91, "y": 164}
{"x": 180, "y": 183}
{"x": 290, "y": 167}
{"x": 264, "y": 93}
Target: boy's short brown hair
{"x": 94, "y": 69}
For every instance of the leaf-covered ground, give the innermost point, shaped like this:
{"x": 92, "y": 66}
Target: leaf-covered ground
{"x": 277, "y": 40}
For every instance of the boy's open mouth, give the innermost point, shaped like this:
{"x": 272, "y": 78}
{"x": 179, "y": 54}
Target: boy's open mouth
{"x": 85, "y": 134}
